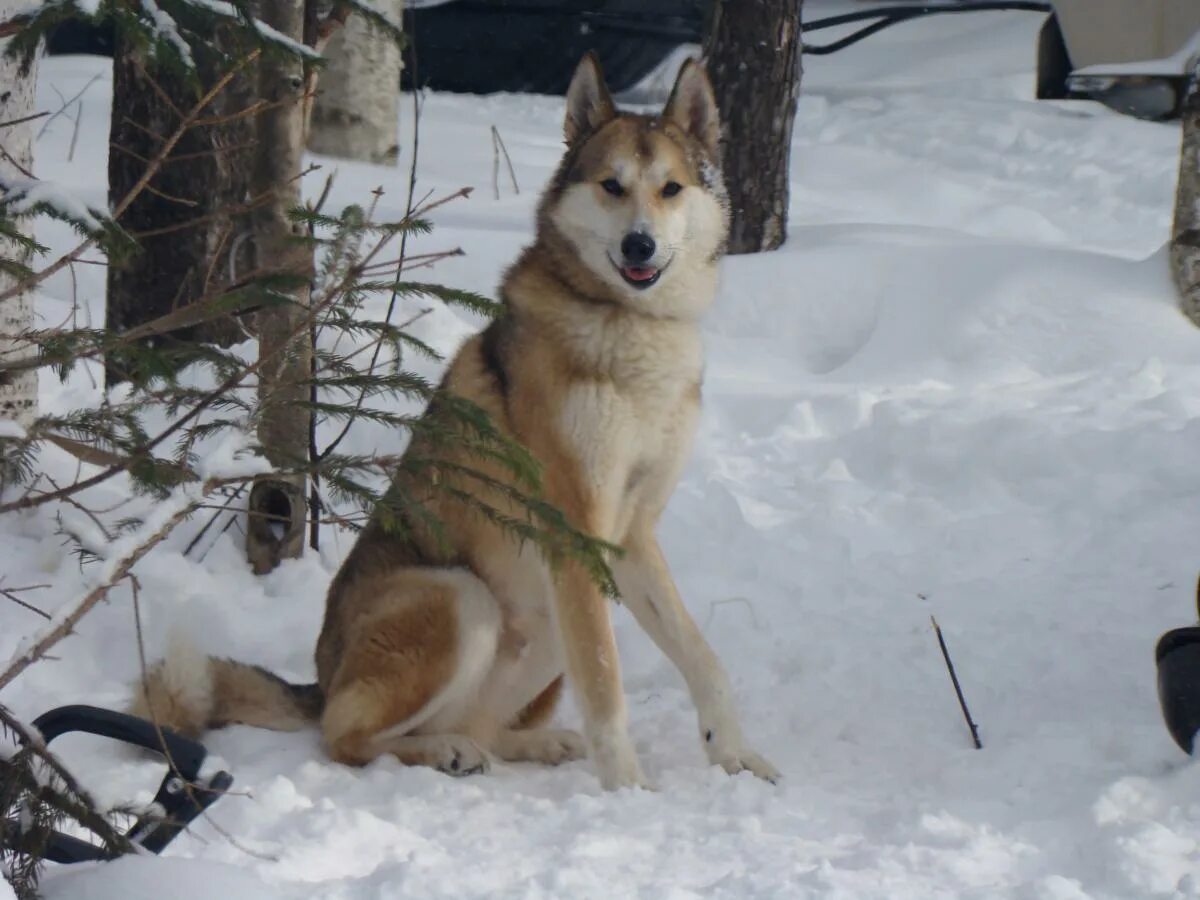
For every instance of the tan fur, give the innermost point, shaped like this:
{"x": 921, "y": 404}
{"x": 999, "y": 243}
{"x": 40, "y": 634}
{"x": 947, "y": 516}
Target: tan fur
{"x": 161, "y": 700}
{"x": 446, "y": 654}
{"x": 396, "y": 659}
{"x": 541, "y": 708}
{"x": 216, "y": 692}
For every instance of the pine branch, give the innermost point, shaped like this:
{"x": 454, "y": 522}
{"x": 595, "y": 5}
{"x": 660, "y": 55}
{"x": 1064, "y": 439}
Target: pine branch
{"x": 409, "y": 209}
{"x": 140, "y": 454}
{"x": 72, "y": 799}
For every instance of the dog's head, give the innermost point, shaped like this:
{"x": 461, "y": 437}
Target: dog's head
{"x": 639, "y": 198}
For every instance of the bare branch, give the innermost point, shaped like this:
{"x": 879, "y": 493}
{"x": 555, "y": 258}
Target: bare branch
{"x": 11, "y": 594}
{"x": 63, "y": 623}
{"x": 962, "y": 701}
{"x": 21, "y": 121}
{"x": 498, "y": 148}
{"x": 25, "y": 284}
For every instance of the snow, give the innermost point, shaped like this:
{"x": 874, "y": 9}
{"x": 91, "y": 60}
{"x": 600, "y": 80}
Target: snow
{"x": 168, "y": 30}
{"x": 24, "y": 194}
{"x": 962, "y": 388}
{"x": 229, "y": 11}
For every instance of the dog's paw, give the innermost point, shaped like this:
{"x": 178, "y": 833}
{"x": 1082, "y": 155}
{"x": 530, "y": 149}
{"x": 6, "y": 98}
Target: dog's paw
{"x": 616, "y": 762}
{"x": 615, "y": 778}
{"x": 560, "y": 745}
{"x": 551, "y": 746}
{"x": 459, "y": 756}
{"x": 746, "y": 760}
{"x": 725, "y": 748}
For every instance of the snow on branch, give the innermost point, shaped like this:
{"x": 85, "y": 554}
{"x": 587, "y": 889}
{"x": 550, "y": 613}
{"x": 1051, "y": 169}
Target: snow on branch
{"x": 29, "y": 24}
{"x": 265, "y": 31}
{"x": 25, "y": 196}
{"x": 166, "y": 29}
{"x": 120, "y": 556}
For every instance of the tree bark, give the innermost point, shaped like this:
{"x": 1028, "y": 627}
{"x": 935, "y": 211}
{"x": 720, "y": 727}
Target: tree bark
{"x": 357, "y": 111}
{"x": 753, "y": 58}
{"x": 275, "y": 530}
{"x": 1185, "y": 235}
{"x": 18, "y": 390}
{"x": 204, "y": 181}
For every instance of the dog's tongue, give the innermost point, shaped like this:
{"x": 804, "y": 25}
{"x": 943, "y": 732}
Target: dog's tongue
{"x": 640, "y": 273}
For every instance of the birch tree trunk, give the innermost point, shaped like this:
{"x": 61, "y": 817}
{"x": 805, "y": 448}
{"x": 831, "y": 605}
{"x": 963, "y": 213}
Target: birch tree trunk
{"x": 1185, "y": 235}
{"x": 357, "y": 111}
{"x": 18, "y": 390}
{"x": 275, "y": 530}
{"x": 753, "y": 58}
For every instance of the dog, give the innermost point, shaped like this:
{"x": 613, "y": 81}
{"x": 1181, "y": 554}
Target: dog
{"x": 447, "y": 653}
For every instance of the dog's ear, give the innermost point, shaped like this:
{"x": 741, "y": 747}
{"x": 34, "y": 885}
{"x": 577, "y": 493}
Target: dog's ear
{"x": 589, "y": 104}
{"x": 693, "y": 106}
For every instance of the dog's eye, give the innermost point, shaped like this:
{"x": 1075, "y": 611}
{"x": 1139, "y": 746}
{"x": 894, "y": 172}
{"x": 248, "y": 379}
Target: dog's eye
{"x": 671, "y": 188}
{"x": 612, "y": 186}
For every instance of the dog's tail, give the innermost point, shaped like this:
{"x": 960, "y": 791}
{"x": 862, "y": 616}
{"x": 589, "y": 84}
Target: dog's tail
{"x": 191, "y": 693}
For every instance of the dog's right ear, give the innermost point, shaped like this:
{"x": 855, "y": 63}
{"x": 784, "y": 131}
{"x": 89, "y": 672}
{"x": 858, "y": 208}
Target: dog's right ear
{"x": 589, "y": 105}
{"x": 693, "y": 107}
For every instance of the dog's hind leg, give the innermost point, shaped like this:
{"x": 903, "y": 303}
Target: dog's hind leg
{"x": 422, "y": 654}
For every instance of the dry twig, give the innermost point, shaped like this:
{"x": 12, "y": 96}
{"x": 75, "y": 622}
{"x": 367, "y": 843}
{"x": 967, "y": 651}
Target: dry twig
{"x": 498, "y": 148}
{"x": 962, "y": 701}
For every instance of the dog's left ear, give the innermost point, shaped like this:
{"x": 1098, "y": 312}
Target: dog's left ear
{"x": 589, "y": 105}
{"x": 693, "y": 106}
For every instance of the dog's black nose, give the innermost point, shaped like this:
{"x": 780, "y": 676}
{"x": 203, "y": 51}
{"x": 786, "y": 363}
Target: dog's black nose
{"x": 637, "y": 247}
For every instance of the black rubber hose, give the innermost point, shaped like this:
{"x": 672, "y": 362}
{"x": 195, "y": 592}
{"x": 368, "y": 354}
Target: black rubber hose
{"x": 896, "y": 14}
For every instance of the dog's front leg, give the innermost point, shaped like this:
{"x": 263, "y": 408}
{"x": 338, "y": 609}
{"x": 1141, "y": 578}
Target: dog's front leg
{"x": 649, "y": 591}
{"x": 595, "y": 674}
{"x": 581, "y": 464}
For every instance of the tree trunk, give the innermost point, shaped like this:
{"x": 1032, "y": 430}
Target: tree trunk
{"x": 18, "y": 390}
{"x": 1185, "y": 236}
{"x": 203, "y": 182}
{"x": 753, "y": 58}
{"x": 275, "y": 530}
{"x": 357, "y": 111}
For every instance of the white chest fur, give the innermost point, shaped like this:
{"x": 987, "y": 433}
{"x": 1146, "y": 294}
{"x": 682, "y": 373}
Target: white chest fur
{"x": 631, "y": 427}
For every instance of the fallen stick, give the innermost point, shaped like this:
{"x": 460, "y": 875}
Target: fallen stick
{"x": 962, "y": 702}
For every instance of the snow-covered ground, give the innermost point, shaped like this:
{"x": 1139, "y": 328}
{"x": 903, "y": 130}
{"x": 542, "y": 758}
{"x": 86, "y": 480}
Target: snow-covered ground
{"x": 962, "y": 388}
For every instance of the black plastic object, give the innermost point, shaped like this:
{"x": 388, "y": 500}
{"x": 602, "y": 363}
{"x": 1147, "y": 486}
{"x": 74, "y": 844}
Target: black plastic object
{"x": 1053, "y": 62}
{"x": 1178, "y": 658}
{"x": 533, "y": 46}
{"x": 181, "y": 797}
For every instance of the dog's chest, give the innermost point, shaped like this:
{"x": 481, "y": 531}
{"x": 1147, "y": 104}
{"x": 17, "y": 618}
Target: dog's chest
{"x": 632, "y": 430}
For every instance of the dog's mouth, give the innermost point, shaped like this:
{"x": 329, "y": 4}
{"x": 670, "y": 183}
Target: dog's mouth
{"x": 640, "y": 277}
